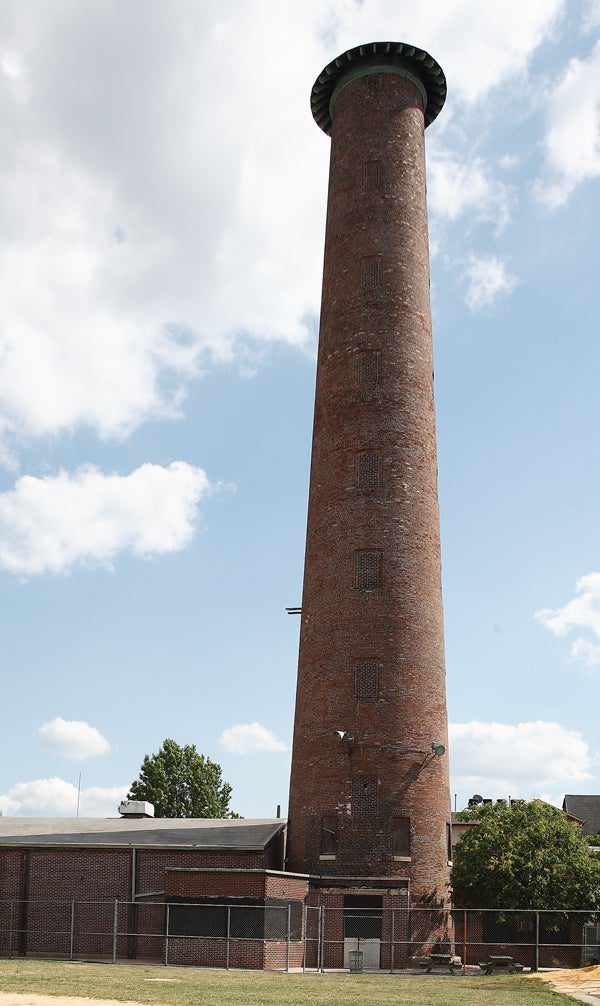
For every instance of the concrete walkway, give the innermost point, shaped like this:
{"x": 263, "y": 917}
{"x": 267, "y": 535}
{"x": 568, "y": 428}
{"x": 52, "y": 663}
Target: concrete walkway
{"x": 583, "y": 984}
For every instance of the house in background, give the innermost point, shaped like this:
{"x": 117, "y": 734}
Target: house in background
{"x": 585, "y": 808}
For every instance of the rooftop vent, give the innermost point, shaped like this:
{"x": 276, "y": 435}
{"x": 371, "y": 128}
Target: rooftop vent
{"x": 136, "y": 808}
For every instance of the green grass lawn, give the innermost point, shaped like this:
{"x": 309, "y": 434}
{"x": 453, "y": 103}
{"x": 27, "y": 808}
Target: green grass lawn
{"x": 191, "y": 986}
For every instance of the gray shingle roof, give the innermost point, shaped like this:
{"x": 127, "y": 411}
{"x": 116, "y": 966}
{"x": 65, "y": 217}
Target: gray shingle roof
{"x": 587, "y": 809}
{"x": 191, "y": 833}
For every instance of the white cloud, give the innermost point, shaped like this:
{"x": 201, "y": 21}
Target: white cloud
{"x": 592, "y": 15}
{"x": 58, "y": 798}
{"x": 246, "y": 738}
{"x": 509, "y": 161}
{"x": 487, "y": 278}
{"x": 572, "y": 141}
{"x": 581, "y": 612}
{"x": 73, "y": 739}
{"x": 479, "y": 45}
{"x": 587, "y": 652}
{"x": 50, "y": 524}
{"x": 457, "y": 187}
{"x": 498, "y": 759}
{"x": 170, "y": 208}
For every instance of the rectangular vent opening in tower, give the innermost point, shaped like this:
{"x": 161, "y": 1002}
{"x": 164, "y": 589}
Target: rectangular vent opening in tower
{"x": 368, "y": 367}
{"x": 366, "y": 680}
{"x": 364, "y": 797}
{"x": 367, "y": 574}
{"x": 373, "y": 180}
{"x": 371, "y": 271}
{"x": 368, "y": 471}
{"x": 328, "y": 843}
{"x": 401, "y": 837}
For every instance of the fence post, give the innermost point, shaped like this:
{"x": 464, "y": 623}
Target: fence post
{"x": 464, "y": 941}
{"x": 228, "y": 935}
{"x": 319, "y": 935}
{"x": 72, "y": 938}
{"x": 323, "y": 940}
{"x": 167, "y": 936}
{"x": 393, "y": 940}
{"x": 537, "y": 941}
{"x": 115, "y": 931}
{"x": 287, "y": 945}
{"x": 304, "y": 924}
{"x": 10, "y": 929}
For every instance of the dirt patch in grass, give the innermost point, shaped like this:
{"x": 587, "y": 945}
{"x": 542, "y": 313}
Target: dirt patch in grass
{"x": 575, "y": 981}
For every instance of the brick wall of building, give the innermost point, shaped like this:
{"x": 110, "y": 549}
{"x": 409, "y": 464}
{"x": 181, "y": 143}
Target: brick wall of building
{"x": 46, "y": 892}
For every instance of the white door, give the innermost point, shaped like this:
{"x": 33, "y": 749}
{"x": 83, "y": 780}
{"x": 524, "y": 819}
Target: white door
{"x": 370, "y": 949}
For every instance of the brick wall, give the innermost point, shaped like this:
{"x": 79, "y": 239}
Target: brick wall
{"x": 39, "y": 885}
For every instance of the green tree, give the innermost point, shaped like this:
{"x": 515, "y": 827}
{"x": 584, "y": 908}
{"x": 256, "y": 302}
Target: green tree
{"x": 180, "y": 782}
{"x": 524, "y": 856}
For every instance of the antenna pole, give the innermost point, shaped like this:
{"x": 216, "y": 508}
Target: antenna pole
{"x": 78, "y": 794}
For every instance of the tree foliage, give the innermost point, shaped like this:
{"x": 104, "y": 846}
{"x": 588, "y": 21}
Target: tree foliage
{"x": 180, "y": 782}
{"x": 527, "y": 855}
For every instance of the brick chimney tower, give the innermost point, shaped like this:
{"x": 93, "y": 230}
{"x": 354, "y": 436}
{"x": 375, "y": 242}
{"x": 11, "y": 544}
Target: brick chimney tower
{"x": 369, "y": 791}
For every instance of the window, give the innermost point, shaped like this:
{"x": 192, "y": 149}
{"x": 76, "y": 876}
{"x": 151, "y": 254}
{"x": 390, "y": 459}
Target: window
{"x": 366, "y": 680}
{"x": 368, "y": 367}
{"x": 371, "y": 271}
{"x": 401, "y": 838}
{"x": 368, "y": 471}
{"x": 244, "y": 918}
{"x": 328, "y": 847}
{"x": 373, "y": 179}
{"x": 367, "y": 574}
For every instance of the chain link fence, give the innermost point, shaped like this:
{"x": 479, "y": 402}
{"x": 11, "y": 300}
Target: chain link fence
{"x": 293, "y": 936}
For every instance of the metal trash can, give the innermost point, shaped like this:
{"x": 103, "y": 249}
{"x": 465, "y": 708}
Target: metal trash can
{"x": 356, "y": 961}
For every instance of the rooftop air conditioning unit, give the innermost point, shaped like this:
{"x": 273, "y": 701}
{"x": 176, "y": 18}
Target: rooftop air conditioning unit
{"x": 136, "y": 808}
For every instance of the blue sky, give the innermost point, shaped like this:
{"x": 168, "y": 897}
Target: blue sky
{"x": 162, "y": 198}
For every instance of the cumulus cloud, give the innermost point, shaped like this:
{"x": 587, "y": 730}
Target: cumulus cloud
{"x": 457, "y": 187}
{"x": 487, "y": 278}
{"x": 168, "y": 211}
{"x": 581, "y": 612}
{"x": 525, "y": 759}
{"x": 247, "y": 738}
{"x": 572, "y": 140}
{"x": 592, "y": 15}
{"x": 50, "y": 524}
{"x": 58, "y": 798}
{"x": 73, "y": 739}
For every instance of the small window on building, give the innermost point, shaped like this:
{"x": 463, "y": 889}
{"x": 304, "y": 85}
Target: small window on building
{"x": 366, "y": 680}
{"x": 373, "y": 176}
{"x": 371, "y": 271}
{"x": 329, "y": 825}
{"x": 368, "y": 471}
{"x": 367, "y": 574}
{"x": 368, "y": 368}
{"x": 365, "y": 797}
{"x": 401, "y": 837}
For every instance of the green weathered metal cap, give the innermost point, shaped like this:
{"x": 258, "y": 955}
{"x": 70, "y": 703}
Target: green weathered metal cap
{"x": 379, "y": 57}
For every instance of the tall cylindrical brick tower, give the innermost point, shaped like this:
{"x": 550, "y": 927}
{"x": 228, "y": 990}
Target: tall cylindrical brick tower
{"x": 369, "y": 793}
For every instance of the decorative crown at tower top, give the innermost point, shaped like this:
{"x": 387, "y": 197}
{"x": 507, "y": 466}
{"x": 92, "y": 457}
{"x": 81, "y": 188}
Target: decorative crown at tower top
{"x": 379, "y": 57}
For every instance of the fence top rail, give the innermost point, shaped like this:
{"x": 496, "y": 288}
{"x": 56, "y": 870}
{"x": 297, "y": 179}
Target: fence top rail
{"x": 366, "y": 912}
